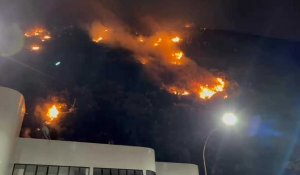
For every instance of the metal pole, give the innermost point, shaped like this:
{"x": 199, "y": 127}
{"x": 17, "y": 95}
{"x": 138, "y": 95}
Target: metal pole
{"x": 204, "y": 148}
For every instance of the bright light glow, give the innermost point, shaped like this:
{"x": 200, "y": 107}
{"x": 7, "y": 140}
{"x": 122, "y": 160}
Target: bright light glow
{"x": 98, "y": 39}
{"x": 52, "y": 112}
{"x": 230, "y": 119}
{"x": 47, "y": 37}
{"x": 206, "y": 93}
{"x": 178, "y": 55}
{"x": 57, "y": 63}
{"x": 141, "y": 39}
{"x": 176, "y": 39}
{"x": 35, "y": 48}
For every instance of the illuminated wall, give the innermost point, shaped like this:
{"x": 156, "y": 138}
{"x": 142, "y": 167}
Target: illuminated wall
{"x": 12, "y": 108}
{"x": 166, "y": 168}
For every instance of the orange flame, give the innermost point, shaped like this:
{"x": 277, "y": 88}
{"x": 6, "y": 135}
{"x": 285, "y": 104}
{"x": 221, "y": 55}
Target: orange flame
{"x": 35, "y": 47}
{"x": 53, "y": 113}
{"x": 188, "y": 25}
{"x": 143, "y": 60}
{"x": 38, "y": 32}
{"x": 178, "y": 55}
{"x": 101, "y": 34}
{"x": 177, "y": 91}
{"x": 47, "y": 37}
{"x": 206, "y": 92}
{"x": 176, "y": 39}
{"x": 97, "y": 40}
{"x": 220, "y": 86}
{"x": 141, "y": 39}
{"x": 161, "y": 53}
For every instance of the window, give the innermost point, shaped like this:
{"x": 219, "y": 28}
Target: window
{"x": 110, "y": 171}
{"x": 130, "y": 172}
{"x": 97, "y": 171}
{"x": 138, "y": 172}
{"x": 52, "y": 170}
{"x": 114, "y": 172}
{"x": 41, "y": 170}
{"x": 84, "y": 171}
{"x": 63, "y": 170}
{"x": 30, "y": 170}
{"x": 19, "y": 170}
{"x": 22, "y": 169}
{"x": 74, "y": 171}
{"x": 105, "y": 171}
{"x": 122, "y": 172}
{"x": 148, "y": 172}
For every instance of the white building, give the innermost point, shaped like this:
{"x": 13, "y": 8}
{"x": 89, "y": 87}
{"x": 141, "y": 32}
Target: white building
{"x": 26, "y": 156}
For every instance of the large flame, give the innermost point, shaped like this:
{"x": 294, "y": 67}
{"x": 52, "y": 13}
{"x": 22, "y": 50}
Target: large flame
{"x": 206, "y": 92}
{"x": 52, "y": 110}
{"x": 162, "y": 57}
{"x": 52, "y": 113}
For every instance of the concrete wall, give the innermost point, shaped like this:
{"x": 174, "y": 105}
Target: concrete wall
{"x": 65, "y": 153}
{"x": 164, "y": 168}
{"x": 12, "y": 109}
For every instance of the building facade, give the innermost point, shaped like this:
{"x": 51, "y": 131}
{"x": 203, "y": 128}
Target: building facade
{"x": 27, "y": 156}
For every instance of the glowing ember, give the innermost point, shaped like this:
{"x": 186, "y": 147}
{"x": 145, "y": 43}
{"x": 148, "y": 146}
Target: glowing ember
{"x": 35, "y": 48}
{"x": 176, "y": 39}
{"x": 34, "y": 32}
{"x": 141, "y": 39}
{"x": 39, "y": 35}
{"x": 38, "y": 32}
{"x": 97, "y": 40}
{"x": 53, "y": 112}
{"x": 188, "y": 25}
{"x": 178, "y": 55}
{"x": 101, "y": 33}
{"x": 177, "y": 91}
{"x": 47, "y": 37}
{"x": 143, "y": 60}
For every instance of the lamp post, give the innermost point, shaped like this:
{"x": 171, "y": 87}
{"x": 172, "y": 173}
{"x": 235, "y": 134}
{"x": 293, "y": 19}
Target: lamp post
{"x": 229, "y": 119}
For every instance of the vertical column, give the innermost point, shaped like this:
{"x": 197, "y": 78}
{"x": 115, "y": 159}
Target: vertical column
{"x": 12, "y": 109}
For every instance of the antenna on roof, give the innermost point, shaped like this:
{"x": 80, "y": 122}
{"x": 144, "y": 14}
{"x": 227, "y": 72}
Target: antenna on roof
{"x": 72, "y": 109}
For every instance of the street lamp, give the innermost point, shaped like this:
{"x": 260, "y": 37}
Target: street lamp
{"x": 229, "y": 119}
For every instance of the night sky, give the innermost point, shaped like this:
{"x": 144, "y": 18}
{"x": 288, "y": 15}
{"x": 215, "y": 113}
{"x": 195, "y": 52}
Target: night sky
{"x": 253, "y": 44}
